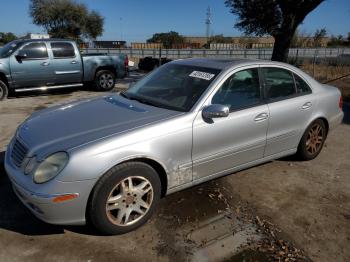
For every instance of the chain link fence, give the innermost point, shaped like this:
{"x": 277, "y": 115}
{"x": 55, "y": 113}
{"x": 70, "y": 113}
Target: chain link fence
{"x": 335, "y": 55}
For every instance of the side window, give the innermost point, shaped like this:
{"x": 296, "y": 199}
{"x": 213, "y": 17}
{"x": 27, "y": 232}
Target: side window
{"x": 301, "y": 85}
{"x": 62, "y": 50}
{"x": 240, "y": 90}
{"x": 34, "y": 51}
{"x": 279, "y": 83}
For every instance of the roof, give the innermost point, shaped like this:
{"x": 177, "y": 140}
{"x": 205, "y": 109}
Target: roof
{"x": 45, "y": 40}
{"x": 217, "y": 63}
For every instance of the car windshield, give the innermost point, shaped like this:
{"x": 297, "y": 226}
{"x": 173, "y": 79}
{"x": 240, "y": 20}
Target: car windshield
{"x": 9, "y": 48}
{"x": 173, "y": 86}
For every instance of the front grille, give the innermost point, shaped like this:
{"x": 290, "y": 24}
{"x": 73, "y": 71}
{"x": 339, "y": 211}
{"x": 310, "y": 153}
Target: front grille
{"x": 19, "y": 151}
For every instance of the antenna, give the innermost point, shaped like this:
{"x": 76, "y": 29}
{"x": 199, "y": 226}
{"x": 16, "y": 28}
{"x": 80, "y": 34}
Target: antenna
{"x": 208, "y": 22}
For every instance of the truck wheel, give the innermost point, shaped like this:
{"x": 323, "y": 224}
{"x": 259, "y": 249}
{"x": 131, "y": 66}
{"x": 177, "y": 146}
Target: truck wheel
{"x": 105, "y": 80}
{"x": 3, "y": 90}
{"x": 124, "y": 198}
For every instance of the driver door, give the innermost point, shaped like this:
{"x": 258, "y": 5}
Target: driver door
{"x": 221, "y": 144}
{"x": 31, "y": 66}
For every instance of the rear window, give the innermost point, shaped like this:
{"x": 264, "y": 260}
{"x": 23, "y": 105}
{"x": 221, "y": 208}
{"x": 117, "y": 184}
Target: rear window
{"x": 301, "y": 85}
{"x": 62, "y": 50}
{"x": 278, "y": 82}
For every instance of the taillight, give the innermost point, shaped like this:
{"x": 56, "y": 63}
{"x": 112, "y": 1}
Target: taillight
{"x": 341, "y": 102}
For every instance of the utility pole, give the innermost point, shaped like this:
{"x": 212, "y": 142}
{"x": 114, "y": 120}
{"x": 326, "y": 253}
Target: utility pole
{"x": 208, "y": 22}
{"x": 121, "y": 28}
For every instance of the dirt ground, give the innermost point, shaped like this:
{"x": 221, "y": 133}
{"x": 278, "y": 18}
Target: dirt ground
{"x": 296, "y": 205}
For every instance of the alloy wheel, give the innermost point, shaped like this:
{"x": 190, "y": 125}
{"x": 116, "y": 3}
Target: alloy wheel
{"x": 129, "y": 201}
{"x": 106, "y": 81}
{"x": 314, "y": 139}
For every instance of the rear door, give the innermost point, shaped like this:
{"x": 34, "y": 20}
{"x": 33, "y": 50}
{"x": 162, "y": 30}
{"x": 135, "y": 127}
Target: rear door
{"x": 290, "y": 103}
{"x": 34, "y": 68}
{"x": 67, "y": 63}
{"x": 224, "y": 143}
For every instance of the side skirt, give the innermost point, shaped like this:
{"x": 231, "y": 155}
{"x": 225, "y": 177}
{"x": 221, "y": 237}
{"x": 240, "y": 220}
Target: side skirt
{"x": 45, "y": 88}
{"x": 231, "y": 170}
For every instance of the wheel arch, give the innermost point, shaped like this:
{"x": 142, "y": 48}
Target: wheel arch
{"x": 326, "y": 123}
{"x": 109, "y": 68}
{"x": 319, "y": 117}
{"x": 4, "y": 79}
{"x": 158, "y": 167}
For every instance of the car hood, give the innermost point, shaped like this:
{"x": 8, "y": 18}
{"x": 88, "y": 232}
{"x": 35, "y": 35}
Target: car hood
{"x": 70, "y": 125}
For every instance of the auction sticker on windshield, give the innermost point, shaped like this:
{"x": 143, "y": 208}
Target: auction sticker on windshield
{"x": 202, "y": 75}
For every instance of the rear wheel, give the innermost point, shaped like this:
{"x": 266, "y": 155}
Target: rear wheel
{"x": 312, "y": 141}
{"x": 3, "y": 90}
{"x": 125, "y": 198}
{"x": 105, "y": 80}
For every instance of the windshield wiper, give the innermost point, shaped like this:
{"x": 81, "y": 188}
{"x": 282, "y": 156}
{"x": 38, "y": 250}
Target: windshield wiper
{"x": 143, "y": 101}
{"x": 138, "y": 99}
{"x": 123, "y": 94}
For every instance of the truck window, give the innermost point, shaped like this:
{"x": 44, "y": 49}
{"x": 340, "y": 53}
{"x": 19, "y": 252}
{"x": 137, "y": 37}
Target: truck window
{"x": 62, "y": 50}
{"x": 34, "y": 51}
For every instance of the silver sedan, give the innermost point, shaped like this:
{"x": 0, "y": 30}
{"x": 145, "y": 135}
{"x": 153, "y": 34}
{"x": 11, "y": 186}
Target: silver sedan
{"x": 110, "y": 159}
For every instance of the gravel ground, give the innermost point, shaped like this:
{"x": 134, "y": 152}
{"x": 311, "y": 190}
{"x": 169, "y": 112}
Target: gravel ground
{"x": 263, "y": 213}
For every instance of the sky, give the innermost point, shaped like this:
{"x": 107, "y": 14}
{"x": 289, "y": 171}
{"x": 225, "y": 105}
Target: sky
{"x": 137, "y": 20}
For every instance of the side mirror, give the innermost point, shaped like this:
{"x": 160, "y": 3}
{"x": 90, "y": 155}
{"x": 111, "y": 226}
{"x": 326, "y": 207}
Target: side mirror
{"x": 215, "y": 111}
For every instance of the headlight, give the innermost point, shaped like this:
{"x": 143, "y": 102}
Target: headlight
{"x": 50, "y": 167}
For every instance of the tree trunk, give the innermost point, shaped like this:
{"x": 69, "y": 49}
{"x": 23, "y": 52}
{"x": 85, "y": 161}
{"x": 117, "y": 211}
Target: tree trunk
{"x": 281, "y": 46}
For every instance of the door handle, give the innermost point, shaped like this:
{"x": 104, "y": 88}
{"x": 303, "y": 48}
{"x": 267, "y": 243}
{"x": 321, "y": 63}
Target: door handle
{"x": 261, "y": 117}
{"x": 73, "y": 62}
{"x": 45, "y": 63}
{"x": 307, "y": 105}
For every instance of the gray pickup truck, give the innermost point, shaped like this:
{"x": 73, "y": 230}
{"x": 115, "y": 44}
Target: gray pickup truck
{"x": 43, "y": 64}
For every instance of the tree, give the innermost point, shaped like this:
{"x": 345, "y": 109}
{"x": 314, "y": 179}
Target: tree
{"x": 336, "y": 41}
{"x": 278, "y": 18}
{"x": 168, "y": 39}
{"x": 66, "y": 18}
{"x": 301, "y": 39}
{"x": 318, "y": 36}
{"x": 6, "y": 38}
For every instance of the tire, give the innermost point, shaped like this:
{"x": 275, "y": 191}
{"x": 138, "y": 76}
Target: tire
{"x": 3, "y": 91}
{"x": 109, "y": 194}
{"x": 105, "y": 80}
{"x": 313, "y": 140}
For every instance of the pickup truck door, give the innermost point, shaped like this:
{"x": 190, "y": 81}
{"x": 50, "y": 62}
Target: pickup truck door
{"x": 68, "y": 68}
{"x": 31, "y": 66}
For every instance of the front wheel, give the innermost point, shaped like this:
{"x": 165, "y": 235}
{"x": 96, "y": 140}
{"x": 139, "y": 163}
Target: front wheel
{"x": 105, "y": 80}
{"x": 312, "y": 141}
{"x": 3, "y": 90}
{"x": 124, "y": 198}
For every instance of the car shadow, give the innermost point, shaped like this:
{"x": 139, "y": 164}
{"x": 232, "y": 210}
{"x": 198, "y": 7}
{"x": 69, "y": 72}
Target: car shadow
{"x": 15, "y": 217}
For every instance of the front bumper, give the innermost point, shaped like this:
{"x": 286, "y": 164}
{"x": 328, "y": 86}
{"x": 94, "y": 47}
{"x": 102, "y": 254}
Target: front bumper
{"x": 39, "y": 198}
